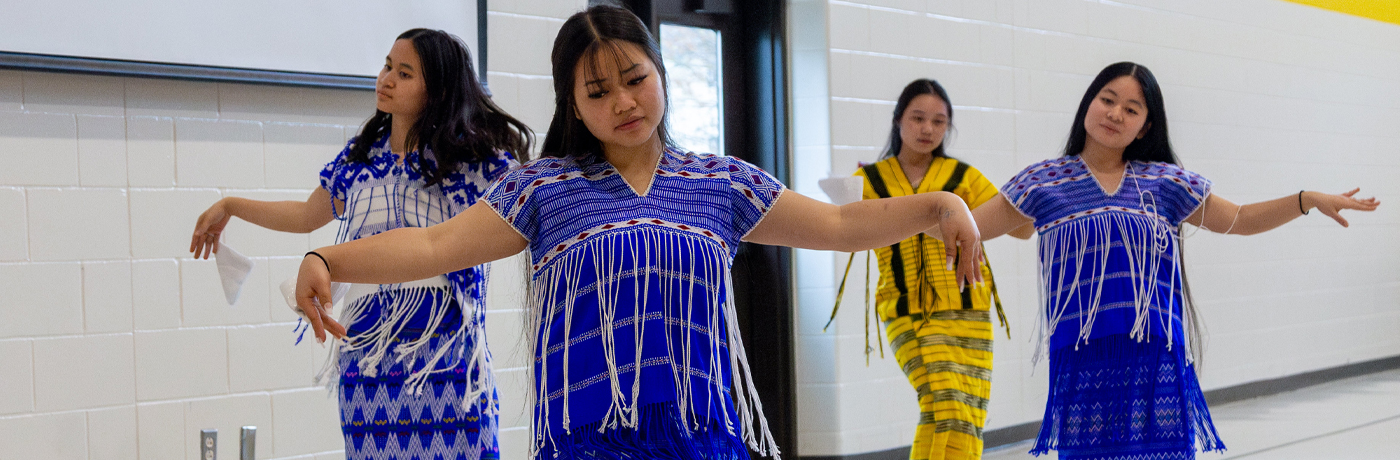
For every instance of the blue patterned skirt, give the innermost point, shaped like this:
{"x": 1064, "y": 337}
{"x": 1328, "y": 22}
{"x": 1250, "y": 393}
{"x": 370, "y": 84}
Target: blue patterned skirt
{"x": 1120, "y": 399}
{"x": 660, "y": 434}
{"x": 382, "y": 420}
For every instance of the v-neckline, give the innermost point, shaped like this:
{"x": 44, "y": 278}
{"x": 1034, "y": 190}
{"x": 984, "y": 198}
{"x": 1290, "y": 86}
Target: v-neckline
{"x": 654, "y": 169}
{"x": 1122, "y": 177}
{"x": 922, "y": 182}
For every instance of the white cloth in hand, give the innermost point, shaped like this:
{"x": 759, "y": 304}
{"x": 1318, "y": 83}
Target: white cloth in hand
{"x": 289, "y": 293}
{"x": 233, "y": 271}
{"x": 843, "y": 190}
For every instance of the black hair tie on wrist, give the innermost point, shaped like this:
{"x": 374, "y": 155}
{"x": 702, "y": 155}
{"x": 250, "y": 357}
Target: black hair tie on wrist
{"x": 319, "y": 256}
{"x": 1300, "y": 208}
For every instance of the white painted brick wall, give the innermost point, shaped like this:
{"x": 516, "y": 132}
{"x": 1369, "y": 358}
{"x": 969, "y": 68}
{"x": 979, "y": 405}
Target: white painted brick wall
{"x": 116, "y": 344}
{"x": 112, "y": 433}
{"x": 65, "y": 370}
{"x": 1265, "y": 97}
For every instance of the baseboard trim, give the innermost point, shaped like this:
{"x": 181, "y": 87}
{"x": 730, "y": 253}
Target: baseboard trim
{"x": 1027, "y": 431}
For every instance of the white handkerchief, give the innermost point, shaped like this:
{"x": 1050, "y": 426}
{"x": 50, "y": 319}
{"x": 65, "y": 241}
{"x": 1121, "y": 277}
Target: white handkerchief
{"x": 233, "y": 271}
{"x": 843, "y": 190}
{"x": 289, "y": 293}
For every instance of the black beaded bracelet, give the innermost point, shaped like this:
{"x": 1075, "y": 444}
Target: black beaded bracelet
{"x": 1300, "y": 208}
{"x": 319, "y": 256}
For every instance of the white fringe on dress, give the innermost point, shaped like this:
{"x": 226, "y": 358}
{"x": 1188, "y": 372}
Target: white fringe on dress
{"x": 556, "y": 287}
{"x": 1147, "y": 240}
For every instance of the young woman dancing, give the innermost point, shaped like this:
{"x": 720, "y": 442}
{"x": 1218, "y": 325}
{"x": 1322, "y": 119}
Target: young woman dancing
{"x": 1119, "y": 325}
{"x": 414, "y": 374}
{"x": 941, "y": 336}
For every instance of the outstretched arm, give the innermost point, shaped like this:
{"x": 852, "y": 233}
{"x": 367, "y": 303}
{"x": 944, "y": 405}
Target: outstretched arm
{"x": 474, "y": 237}
{"x": 802, "y": 222}
{"x": 283, "y": 216}
{"x": 1222, "y": 216}
{"x": 998, "y": 217}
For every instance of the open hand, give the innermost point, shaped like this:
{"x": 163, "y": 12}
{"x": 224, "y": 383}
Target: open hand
{"x": 207, "y": 230}
{"x": 1331, "y": 205}
{"x": 314, "y": 298}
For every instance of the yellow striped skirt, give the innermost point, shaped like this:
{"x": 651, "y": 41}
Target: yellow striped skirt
{"x": 948, "y": 359}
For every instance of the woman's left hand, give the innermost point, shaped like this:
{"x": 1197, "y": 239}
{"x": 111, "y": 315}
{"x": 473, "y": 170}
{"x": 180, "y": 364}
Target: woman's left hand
{"x": 962, "y": 241}
{"x": 1331, "y": 205}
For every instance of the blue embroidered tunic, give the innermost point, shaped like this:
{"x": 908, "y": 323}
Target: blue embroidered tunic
{"x": 637, "y": 352}
{"x": 1121, "y": 381}
{"x": 414, "y": 375}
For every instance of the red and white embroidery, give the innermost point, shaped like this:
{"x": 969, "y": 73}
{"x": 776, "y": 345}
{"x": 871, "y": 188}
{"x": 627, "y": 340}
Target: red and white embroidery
{"x": 594, "y": 232}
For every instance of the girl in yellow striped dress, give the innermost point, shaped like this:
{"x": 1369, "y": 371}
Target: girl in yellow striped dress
{"x": 941, "y": 336}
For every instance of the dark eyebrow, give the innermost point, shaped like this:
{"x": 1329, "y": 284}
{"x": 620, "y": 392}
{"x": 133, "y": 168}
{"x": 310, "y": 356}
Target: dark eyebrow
{"x": 390, "y": 62}
{"x": 1134, "y": 101}
{"x": 600, "y": 80}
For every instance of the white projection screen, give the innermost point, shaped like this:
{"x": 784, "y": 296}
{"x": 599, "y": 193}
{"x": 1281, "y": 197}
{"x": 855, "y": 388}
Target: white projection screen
{"x": 341, "y": 38}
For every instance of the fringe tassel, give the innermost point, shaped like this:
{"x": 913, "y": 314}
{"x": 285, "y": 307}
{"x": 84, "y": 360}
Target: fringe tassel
{"x": 1080, "y": 248}
{"x": 420, "y": 361}
{"x": 841, "y": 294}
{"x": 660, "y": 426}
{"x": 996, "y": 298}
{"x": 555, "y": 289}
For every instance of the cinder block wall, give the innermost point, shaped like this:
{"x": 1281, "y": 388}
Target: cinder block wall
{"x": 116, "y": 344}
{"x": 1265, "y": 97}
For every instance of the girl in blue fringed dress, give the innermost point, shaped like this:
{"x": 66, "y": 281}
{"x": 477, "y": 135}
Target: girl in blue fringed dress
{"x": 636, "y": 348}
{"x": 413, "y": 377}
{"x": 1118, "y": 322}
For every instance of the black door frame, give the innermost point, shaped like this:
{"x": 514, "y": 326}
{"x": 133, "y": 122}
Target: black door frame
{"x": 756, "y": 130}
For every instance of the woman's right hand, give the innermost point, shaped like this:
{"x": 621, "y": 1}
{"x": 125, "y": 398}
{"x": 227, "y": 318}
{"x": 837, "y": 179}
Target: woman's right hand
{"x": 314, "y": 297}
{"x": 962, "y": 241}
{"x": 208, "y": 228}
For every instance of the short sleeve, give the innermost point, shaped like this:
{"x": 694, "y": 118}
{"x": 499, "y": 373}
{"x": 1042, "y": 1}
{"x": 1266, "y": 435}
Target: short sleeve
{"x": 1180, "y": 192}
{"x": 975, "y": 189}
{"x": 466, "y": 186}
{"x": 1018, "y": 189}
{"x": 510, "y": 196}
{"x": 752, "y": 193}
{"x": 337, "y": 176}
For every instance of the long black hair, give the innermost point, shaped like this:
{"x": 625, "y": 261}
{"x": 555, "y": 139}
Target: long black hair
{"x": 1155, "y": 144}
{"x": 915, "y": 89}
{"x": 598, "y": 29}
{"x": 458, "y": 122}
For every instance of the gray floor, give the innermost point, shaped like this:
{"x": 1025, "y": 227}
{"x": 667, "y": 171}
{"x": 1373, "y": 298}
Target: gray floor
{"x": 1356, "y": 418}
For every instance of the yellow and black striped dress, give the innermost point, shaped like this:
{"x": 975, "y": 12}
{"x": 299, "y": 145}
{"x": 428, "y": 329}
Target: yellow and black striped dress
{"x": 942, "y": 338}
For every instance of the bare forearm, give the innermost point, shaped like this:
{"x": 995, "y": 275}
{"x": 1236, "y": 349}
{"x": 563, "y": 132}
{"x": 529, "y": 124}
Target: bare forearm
{"x": 474, "y": 237}
{"x": 1256, "y": 218}
{"x": 395, "y": 256}
{"x": 283, "y": 216}
{"x": 870, "y": 224}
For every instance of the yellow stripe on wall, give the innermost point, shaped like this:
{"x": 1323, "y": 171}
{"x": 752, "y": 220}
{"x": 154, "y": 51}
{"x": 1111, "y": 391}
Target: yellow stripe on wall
{"x": 1380, "y": 10}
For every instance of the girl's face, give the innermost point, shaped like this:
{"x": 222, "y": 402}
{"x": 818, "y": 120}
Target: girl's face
{"x": 924, "y": 123}
{"x": 400, "y": 88}
{"x": 624, "y": 103}
{"x": 1118, "y": 115}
